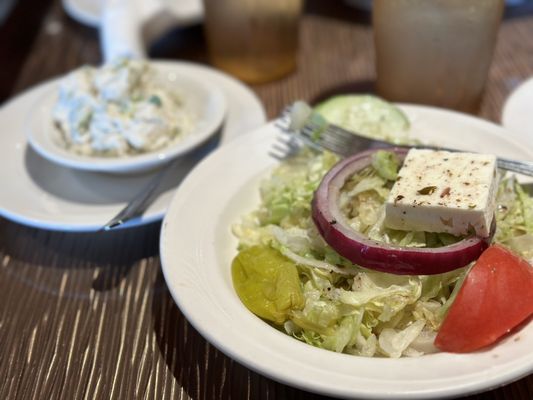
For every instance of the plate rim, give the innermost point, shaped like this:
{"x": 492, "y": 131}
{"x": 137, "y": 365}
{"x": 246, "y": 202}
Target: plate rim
{"x": 318, "y": 387}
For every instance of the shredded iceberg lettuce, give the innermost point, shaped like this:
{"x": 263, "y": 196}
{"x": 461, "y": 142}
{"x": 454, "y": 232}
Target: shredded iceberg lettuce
{"x": 514, "y": 218}
{"x": 347, "y": 308}
{"x": 386, "y": 164}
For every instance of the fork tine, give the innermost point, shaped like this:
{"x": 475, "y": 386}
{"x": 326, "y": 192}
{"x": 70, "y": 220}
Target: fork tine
{"x": 284, "y": 147}
{"x": 278, "y": 152}
{"x": 282, "y": 124}
{"x": 286, "y": 139}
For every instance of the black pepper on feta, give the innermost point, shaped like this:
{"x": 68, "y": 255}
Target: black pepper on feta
{"x": 444, "y": 192}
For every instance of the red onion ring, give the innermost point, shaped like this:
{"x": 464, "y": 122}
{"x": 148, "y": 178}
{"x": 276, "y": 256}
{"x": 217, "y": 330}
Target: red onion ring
{"x": 372, "y": 254}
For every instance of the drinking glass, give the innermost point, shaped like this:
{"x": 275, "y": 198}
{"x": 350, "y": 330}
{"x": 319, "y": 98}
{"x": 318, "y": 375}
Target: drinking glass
{"x": 255, "y": 40}
{"x": 435, "y": 52}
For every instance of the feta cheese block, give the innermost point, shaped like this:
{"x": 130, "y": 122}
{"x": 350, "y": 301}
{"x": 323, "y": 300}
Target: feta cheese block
{"x": 440, "y": 191}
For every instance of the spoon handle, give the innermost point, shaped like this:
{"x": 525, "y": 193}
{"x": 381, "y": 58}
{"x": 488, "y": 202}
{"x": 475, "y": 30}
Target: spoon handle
{"x": 138, "y": 205}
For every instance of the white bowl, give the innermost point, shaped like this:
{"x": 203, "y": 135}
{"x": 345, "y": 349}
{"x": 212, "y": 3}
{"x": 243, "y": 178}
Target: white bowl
{"x": 206, "y": 102}
{"x": 197, "y": 248}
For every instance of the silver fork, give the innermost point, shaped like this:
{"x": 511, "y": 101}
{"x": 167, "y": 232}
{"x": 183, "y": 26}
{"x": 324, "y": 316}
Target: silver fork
{"x": 303, "y": 126}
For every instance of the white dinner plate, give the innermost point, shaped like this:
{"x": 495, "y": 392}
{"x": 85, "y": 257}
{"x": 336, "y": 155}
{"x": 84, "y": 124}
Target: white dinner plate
{"x": 39, "y": 193}
{"x": 203, "y": 100}
{"x": 197, "y": 248}
{"x": 517, "y": 114}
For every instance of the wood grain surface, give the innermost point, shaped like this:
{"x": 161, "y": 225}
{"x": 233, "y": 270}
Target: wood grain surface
{"x": 88, "y": 316}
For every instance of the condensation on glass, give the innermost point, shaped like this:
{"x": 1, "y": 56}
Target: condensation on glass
{"x": 435, "y": 52}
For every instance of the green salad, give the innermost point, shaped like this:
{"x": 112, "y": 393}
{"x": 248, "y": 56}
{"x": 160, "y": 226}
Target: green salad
{"x": 286, "y": 274}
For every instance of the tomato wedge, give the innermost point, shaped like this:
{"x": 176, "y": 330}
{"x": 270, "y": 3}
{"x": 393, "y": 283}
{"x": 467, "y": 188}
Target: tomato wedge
{"x": 496, "y": 296}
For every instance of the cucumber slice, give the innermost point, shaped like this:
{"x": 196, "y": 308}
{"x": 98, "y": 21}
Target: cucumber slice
{"x": 367, "y": 115}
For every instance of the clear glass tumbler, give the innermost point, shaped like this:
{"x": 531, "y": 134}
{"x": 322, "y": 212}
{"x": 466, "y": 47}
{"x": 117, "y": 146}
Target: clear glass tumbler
{"x": 254, "y": 40}
{"x": 435, "y": 52}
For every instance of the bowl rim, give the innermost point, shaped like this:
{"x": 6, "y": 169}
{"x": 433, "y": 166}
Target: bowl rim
{"x": 42, "y": 142}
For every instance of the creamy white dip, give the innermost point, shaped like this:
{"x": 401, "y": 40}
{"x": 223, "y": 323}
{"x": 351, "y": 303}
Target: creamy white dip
{"x": 119, "y": 109}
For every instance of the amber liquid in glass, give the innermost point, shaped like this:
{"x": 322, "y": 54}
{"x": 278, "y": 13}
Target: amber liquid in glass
{"x": 255, "y": 40}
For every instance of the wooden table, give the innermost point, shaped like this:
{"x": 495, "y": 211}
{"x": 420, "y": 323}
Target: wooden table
{"x": 86, "y": 316}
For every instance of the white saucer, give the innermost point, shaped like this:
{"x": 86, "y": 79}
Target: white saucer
{"x": 517, "y": 114}
{"x": 39, "y": 193}
{"x": 89, "y": 12}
